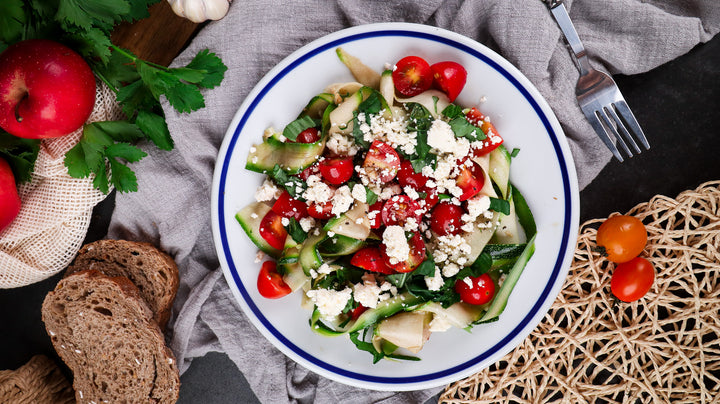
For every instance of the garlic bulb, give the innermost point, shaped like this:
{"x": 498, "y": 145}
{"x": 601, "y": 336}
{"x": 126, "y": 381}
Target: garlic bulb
{"x": 200, "y": 10}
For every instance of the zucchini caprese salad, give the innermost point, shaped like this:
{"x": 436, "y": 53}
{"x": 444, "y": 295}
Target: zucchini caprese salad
{"x": 390, "y": 209}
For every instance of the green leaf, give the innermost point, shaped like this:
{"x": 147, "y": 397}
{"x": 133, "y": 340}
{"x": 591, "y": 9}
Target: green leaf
{"x": 138, "y": 10}
{"x": 134, "y": 97}
{"x": 122, "y": 177}
{"x": 92, "y": 43}
{"x": 357, "y": 133}
{"x": 481, "y": 265}
{"x": 185, "y": 97}
{"x": 500, "y": 205}
{"x": 372, "y": 104}
{"x": 20, "y": 154}
{"x": 370, "y": 196}
{"x": 87, "y": 13}
{"x": 212, "y": 66}
{"x": 426, "y": 268}
{"x": 125, "y": 151}
{"x": 462, "y": 128}
{"x": 452, "y": 111}
{"x": 101, "y": 179}
{"x": 295, "y": 231}
{"x": 12, "y": 20}
{"x": 155, "y": 127}
{"x": 122, "y": 131}
{"x": 294, "y": 128}
{"x": 290, "y": 182}
{"x": 119, "y": 70}
{"x": 75, "y": 162}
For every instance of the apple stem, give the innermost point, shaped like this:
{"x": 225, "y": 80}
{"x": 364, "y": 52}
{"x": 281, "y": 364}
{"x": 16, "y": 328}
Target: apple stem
{"x": 17, "y": 108}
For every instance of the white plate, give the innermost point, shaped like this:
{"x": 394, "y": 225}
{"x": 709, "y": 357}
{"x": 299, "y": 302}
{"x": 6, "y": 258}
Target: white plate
{"x": 543, "y": 171}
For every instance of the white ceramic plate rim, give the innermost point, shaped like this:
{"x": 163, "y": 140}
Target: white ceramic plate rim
{"x": 220, "y": 214}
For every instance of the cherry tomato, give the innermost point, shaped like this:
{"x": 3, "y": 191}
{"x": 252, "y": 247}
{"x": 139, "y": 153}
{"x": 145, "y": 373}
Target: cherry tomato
{"x": 622, "y": 238}
{"x": 272, "y": 230}
{"x": 482, "y": 290}
{"x": 431, "y": 199}
{"x": 313, "y": 169}
{"x": 288, "y": 206}
{"x": 412, "y": 75}
{"x": 416, "y": 257}
{"x": 270, "y": 283}
{"x": 309, "y": 135}
{"x": 336, "y": 170}
{"x": 470, "y": 180}
{"x": 375, "y": 215}
{"x": 320, "y": 211}
{"x": 370, "y": 259}
{"x": 408, "y": 177}
{"x": 449, "y": 77}
{"x": 445, "y": 219}
{"x": 492, "y": 140}
{"x": 382, "y": 162}
{"x": 632, "y": 280}
{"x": 398, "y": 209}
{"x": 356, "y": 312}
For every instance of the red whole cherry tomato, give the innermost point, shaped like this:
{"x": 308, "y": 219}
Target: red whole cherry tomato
{"x": 287, "y": 206}
{"x": 382, "y": 162}
{"x": 272, "y": 230}
{"x": 471, "y": 180}
{"x": 320, "y": 211}
{"x": 445, "y": 219}
{"x": 270, "y": 283}
{"x": 407, "y": 177}
{"x": 309, "y": 135}
{"x": 336, "y": 170}
{"x": 370, "y": 259}
{"x": 492, "y": 140}
{"x": 314, "y": 169}
{"x": 412, "y": 75}
{"x": 398, "y": 209}
{"x": 481, "y": 290}
{"x": 416, "y": 257}
{"x": 449, "y": 77}
{"x": 622, "y": 238}
{"x": 375, "y": 215}
{"x": 632, "y": 280}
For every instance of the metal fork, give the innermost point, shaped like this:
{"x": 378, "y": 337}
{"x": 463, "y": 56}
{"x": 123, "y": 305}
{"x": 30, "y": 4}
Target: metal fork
{"x": 598, "y": 95}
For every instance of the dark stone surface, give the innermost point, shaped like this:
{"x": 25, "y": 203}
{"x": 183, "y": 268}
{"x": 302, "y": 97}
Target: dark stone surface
{"x": 678, "y": 105}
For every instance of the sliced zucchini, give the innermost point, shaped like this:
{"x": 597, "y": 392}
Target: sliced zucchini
{"x": 291, "y": 157}
{"x": 249, "y": 218}
{"x": 353, "y": 223}
{"x": 435, "y": 101}
{"x": 309, "y": 257}
{"x": 293, "y": 275}
{"x": 500, "y": 169}
{"x": 387, "y": 87}
{"x": 408, "y": 329}
{"x": 339, "y": 246}
{"x": 385, "y": 309}
{"x": 317, "y": 105}
{"x": 508, "y": 229}
{"x": 359, "y": 70}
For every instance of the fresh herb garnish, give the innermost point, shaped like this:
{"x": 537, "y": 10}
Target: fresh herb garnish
{"x": 289, "y": 182}
{"x": 295, "y": 231}
{"x": 20, "y": 154}
{"x": 294, "y": 128}
{"x": 500, "y": 205}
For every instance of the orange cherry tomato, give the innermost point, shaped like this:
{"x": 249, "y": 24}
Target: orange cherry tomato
{"x": 622, "y": 238}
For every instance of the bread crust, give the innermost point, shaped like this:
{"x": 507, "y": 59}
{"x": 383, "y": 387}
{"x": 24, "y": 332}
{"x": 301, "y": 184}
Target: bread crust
{"x": 104, "y": 331}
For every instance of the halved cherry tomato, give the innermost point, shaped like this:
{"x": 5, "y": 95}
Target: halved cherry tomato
{"x": 412, "y": 75}
{"x": 270, "y": 283}
{"x": 336, "y": 170}
{"x": 449, "y": 77}
{"x": 382, "y": 162}
{"x": 622, "y": 238}
{"x": 375, "y": 215}
{"x": 470, "y": 180}
{"x": 320, "y": 211}
{"x": 482, "y": 290}
{"x": 493, "y": 138}
{"x": 314, "y": 169}
{"x": 431, "y": 199}
{"x": 356, "y": 312}
{"x": 287, "y": 206}
{"x": 370, "y": 259}
{"x": 398, "y": 209}
{"x": 445, "y": 219}
{"x": 408, "y": 177}
{"x": 272, "y": 230}
{"x": 632, "y": 280}
{"x": 309, "y": 135}
{"x": 416, "y": 257}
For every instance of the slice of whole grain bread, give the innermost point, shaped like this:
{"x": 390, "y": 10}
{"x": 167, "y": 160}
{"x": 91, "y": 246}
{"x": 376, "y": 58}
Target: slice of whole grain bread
{"x": 104, "y": 331}
{"x": 151, "y": 270}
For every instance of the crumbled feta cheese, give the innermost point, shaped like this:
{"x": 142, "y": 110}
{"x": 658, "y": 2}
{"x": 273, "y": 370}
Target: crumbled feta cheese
{"x": 285, "y": 221}
{"x": 434, "y": 282}
{"x": 267, "y": 191}
{"x": 307, "y": 223}
{"x": 325, "y": 269}
{"x": 450, "y": 270}
{"x": 342, "y": 200}
{"x": 397, "y": 248}
{"x": 330, "y": 303}
{"x": 341, "y": 144}
{"x": 368, "y": 292}
{"x": 411, "y": 192}
{"x": 317, "y": 191}
{"x": 360, "y": 193}
{"x": 259, "y": 256}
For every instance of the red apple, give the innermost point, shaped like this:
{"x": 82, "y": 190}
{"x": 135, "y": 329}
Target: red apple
{"x": 9, "y": 199}
{"x": 46, "y": 89}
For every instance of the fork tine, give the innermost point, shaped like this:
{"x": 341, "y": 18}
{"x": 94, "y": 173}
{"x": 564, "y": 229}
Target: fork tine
{"x": 622, "y": 129}
{"x": 629, "y": 118}
{"x": 608, "y": 124}
{"x": 602, "y": 133}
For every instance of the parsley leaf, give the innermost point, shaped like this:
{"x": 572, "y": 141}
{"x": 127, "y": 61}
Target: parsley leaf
{"x": 12, "y": 20}
{"x": 20, "y": 154}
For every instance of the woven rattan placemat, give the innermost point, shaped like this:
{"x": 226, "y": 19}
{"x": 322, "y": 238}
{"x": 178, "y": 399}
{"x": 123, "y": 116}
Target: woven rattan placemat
{"x": 38, "y": 381}
{"x": 590, "y": 348}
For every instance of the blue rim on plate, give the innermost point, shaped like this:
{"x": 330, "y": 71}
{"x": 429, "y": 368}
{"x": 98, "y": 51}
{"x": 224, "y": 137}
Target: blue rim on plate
{"x": 569, "y": 231}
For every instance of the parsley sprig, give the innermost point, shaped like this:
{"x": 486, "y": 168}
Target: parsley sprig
{"x": 107, "y": 148}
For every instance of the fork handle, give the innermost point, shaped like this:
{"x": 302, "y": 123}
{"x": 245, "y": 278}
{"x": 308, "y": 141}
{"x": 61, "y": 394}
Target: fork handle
{"x": 558, "y": 10}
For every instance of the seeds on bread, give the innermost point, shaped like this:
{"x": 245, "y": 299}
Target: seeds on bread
{"x": 104, "y": 331}
{"x": 151, "y": 270}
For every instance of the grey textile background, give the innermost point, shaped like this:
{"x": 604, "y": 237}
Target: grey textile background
{"x": 172, "y": 206}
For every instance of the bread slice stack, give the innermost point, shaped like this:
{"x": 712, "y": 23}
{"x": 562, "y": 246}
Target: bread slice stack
{"x": 102, "y": 319}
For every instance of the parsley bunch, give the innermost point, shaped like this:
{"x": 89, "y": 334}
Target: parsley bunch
{"x": 85, "y": 26}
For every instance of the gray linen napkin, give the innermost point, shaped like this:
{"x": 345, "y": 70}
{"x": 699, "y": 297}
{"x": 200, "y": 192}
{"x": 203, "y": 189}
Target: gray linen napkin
{"x": 172, "y": 207}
